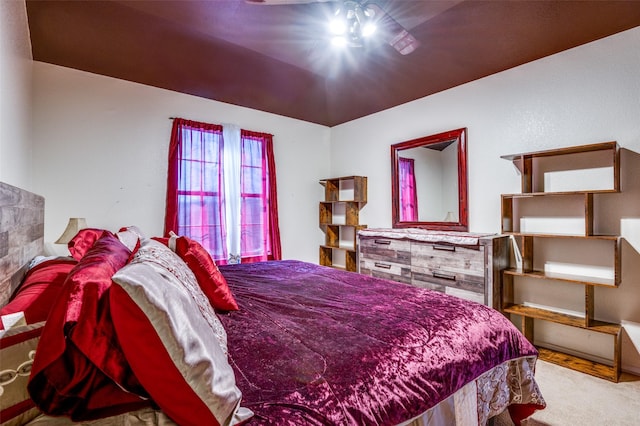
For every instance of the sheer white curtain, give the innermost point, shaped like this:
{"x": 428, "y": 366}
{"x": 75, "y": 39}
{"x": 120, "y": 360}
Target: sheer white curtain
{"x": 232, "y": 167}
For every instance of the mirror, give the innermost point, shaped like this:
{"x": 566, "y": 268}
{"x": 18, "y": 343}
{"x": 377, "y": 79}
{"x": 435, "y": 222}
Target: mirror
{"x": 429, "y": 182}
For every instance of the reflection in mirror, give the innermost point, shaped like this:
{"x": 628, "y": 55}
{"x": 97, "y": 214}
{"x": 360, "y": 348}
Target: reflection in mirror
{"x": 430, "y": 182}
{"x": 436, "y": 198}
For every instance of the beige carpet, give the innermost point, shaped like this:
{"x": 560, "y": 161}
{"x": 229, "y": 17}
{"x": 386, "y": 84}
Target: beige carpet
{"x": 574, "y": 398}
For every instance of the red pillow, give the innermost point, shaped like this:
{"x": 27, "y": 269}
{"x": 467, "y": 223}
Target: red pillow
{"x": 83, "y": 241}
{"x": 151, "y": 363}
{"x": 212, "y": 282}
{"x": 83, "y": 372}
{"x": 39, "y": 290}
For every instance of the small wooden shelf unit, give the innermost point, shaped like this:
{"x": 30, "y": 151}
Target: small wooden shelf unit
{"x": 339, "y": 219}
{"x": 532, "y": 167}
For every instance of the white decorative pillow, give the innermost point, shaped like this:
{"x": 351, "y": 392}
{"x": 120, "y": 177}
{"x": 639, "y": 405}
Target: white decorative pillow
{"x": 173, "y": 340}
{"x": 130, "y": 239}
{"x": 17, "y": 351}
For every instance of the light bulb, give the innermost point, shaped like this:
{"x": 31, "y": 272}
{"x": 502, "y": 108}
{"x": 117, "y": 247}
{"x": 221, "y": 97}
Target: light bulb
{"x": 337, "y": 26}
{"x": 339, "y": 41}
{"x": 368, "y": 29}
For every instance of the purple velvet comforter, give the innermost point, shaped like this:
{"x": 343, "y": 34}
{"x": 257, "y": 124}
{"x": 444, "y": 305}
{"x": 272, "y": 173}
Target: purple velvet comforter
{"x": 314, "y": 345}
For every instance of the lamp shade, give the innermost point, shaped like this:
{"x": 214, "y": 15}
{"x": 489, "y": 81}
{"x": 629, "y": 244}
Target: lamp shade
{"x": 75, "y": 224}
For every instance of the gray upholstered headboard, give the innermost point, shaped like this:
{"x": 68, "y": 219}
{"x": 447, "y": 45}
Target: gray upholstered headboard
{"x": 21, "y": 235}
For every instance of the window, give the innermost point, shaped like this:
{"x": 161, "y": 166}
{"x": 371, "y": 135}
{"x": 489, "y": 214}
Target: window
{"x": 221, "y": 191}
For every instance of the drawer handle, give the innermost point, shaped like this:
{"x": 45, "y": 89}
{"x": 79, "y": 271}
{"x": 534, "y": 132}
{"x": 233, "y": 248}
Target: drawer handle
{"x": 445, "y": 248}
{"x": 382, "y": 265}
{"x": 437, "y": 274}
{"x": 383, "y": 242}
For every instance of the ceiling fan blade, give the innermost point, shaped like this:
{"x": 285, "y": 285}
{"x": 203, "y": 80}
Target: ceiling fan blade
{"x": 404, "y": 42}
{"x": 397, "y": 35}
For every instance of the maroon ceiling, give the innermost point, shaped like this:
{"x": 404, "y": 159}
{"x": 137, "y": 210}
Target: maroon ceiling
{"x": 278, "y": 58}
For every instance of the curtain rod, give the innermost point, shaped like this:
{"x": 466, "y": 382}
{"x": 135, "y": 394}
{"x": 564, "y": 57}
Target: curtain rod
{"x": 173, "y": 118}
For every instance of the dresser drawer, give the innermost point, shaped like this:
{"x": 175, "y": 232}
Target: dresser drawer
{"x": 448, "y": 268}
{"x": 388, "y": 250}
{"x": 386, "y": 258}
{"x": 387, "y": 270}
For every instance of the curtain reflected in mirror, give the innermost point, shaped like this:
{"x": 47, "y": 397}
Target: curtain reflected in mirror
{"x": 429, "y": 182}
{"x": 408, "y": 194}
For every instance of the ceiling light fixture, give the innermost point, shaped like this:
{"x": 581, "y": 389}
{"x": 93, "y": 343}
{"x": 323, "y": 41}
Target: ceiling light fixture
{"x": 352, "y": 22}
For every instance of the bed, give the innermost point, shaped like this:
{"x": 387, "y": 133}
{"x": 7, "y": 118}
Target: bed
{"x": 149, "y": 331}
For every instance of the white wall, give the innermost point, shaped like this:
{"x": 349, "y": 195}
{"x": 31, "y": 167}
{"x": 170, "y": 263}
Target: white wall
{"x": 585, "y": 95}
{"x": 15, "y": 95}
{"x": 101, "y": 153}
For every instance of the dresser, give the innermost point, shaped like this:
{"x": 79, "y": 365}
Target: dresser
{"x": 462, "y": 264}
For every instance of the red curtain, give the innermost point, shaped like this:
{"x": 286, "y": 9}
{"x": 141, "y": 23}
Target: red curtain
{"x": 260, "y": 232}
{"x": 408, "y": 194}
{"x": 195, "y": 190}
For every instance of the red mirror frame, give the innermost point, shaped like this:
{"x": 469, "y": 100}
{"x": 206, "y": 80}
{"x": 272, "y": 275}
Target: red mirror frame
{"x": 462, "y": 225}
